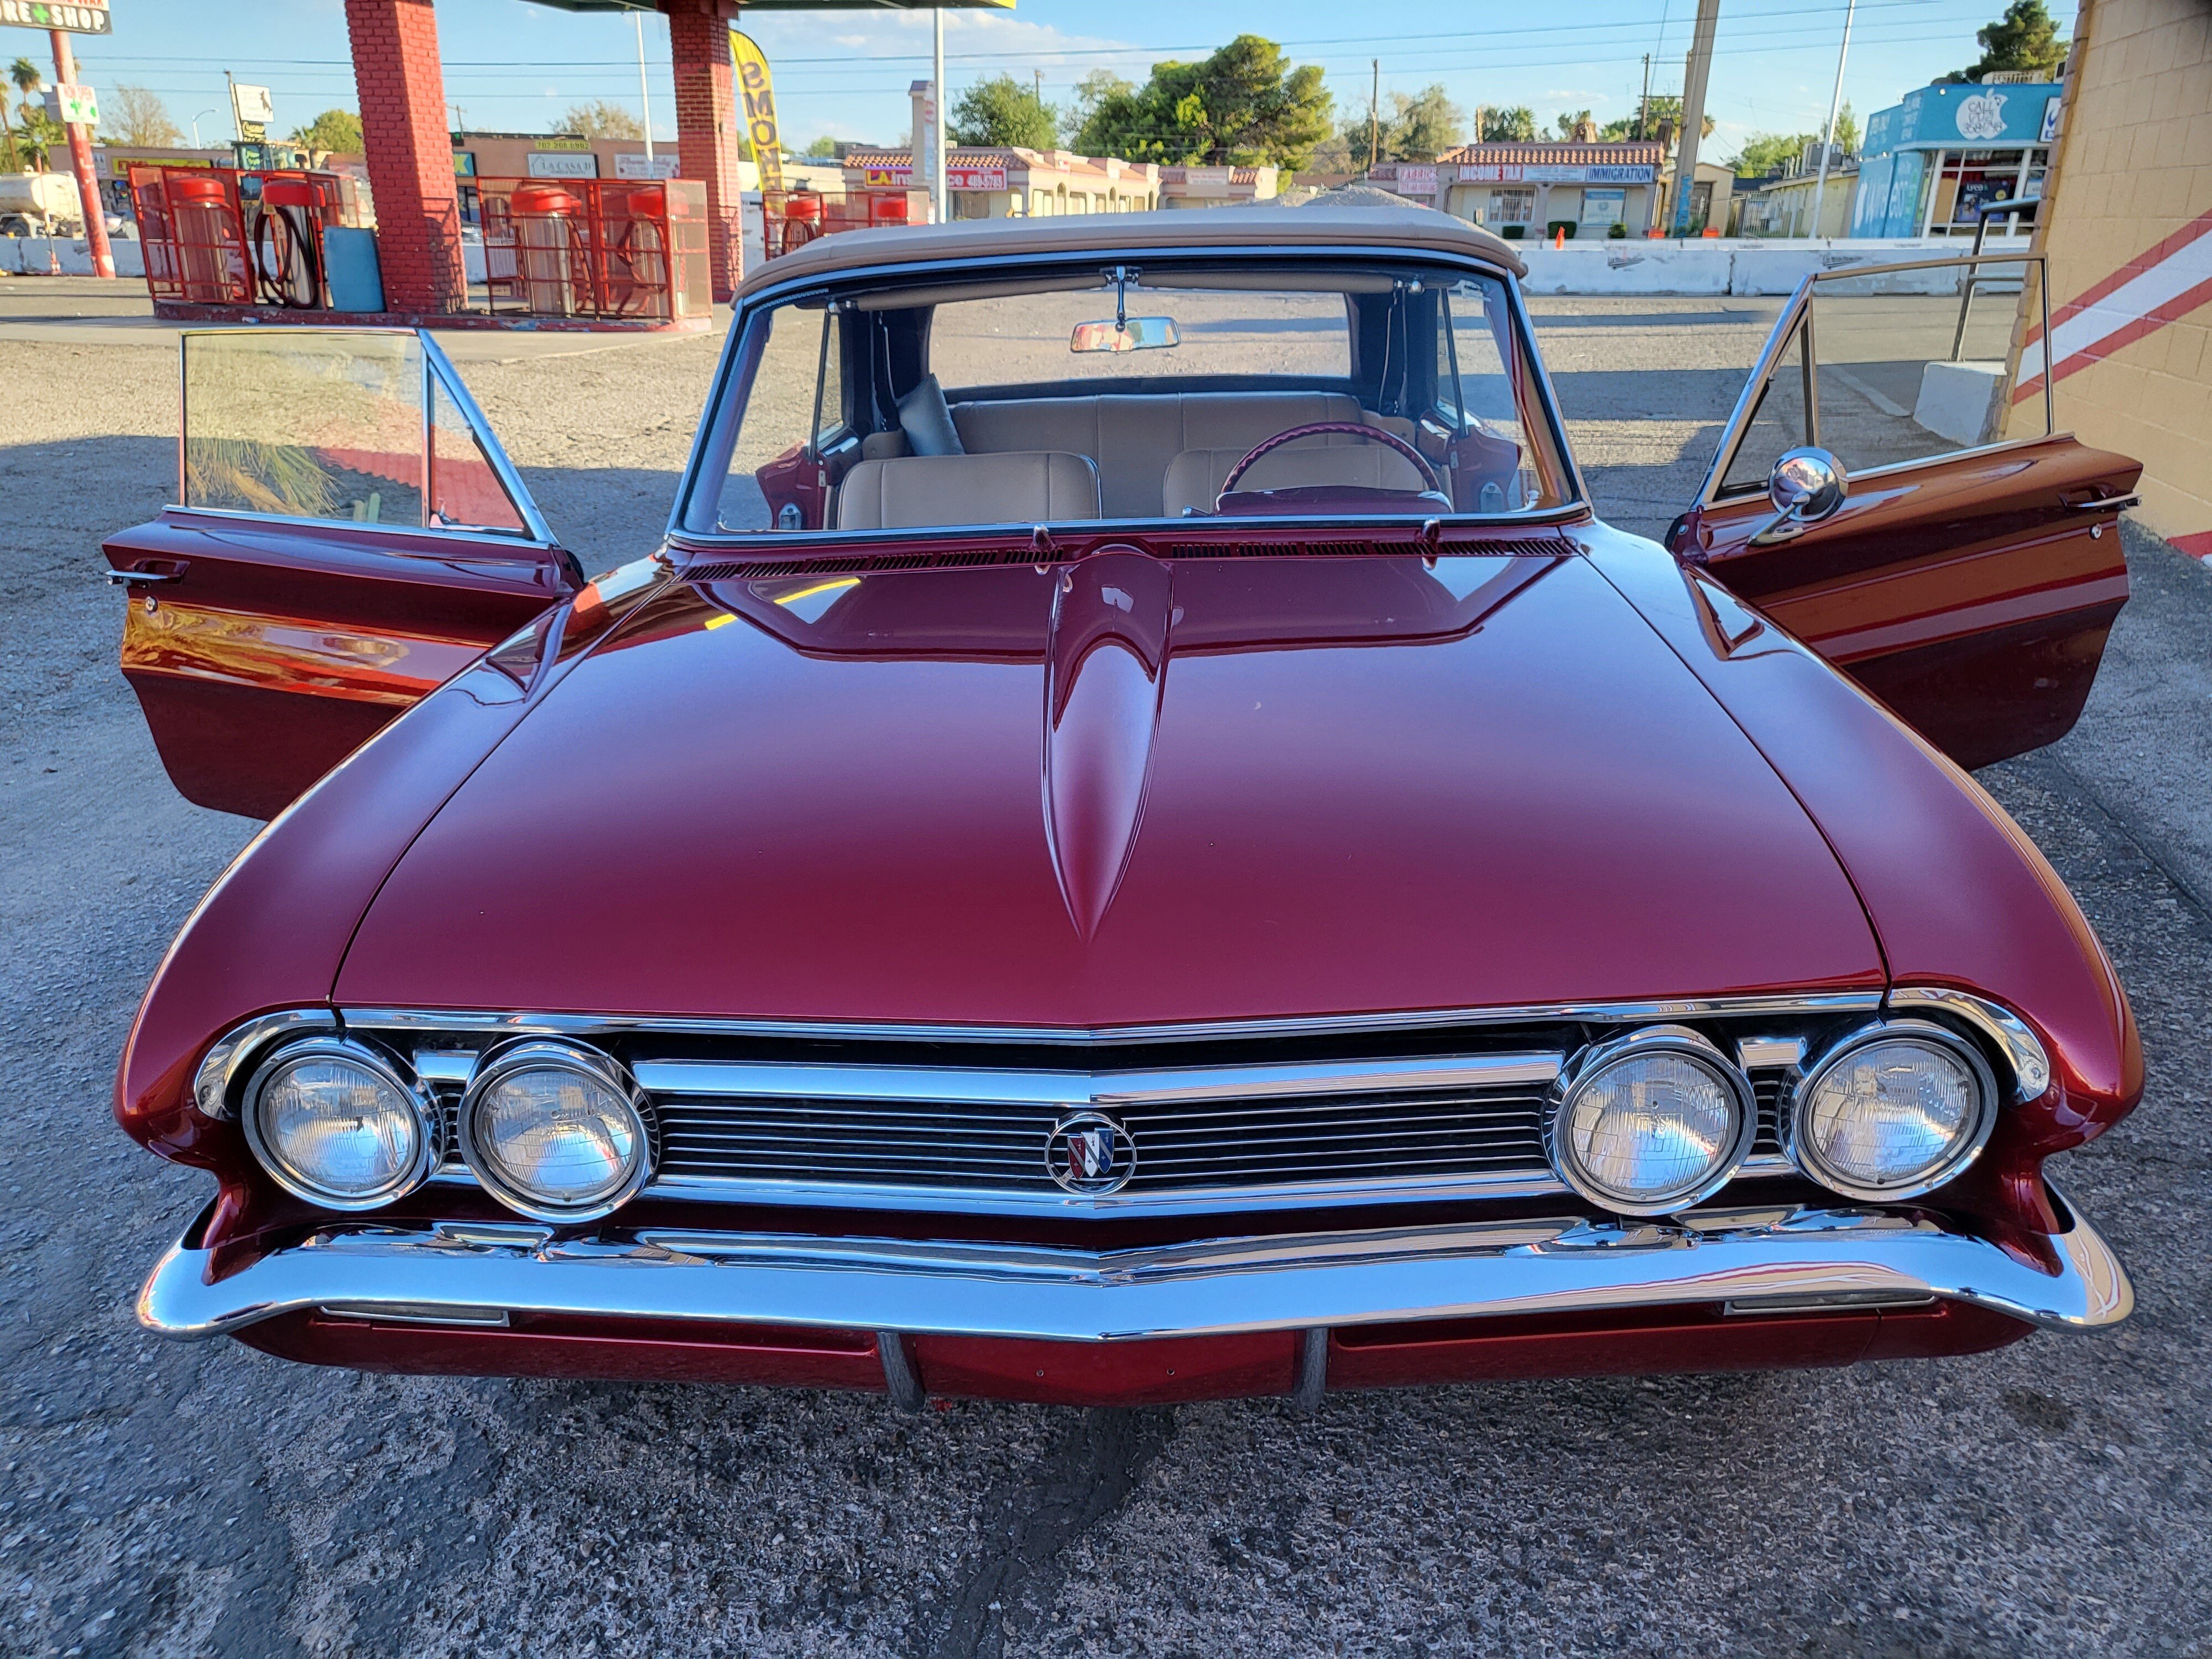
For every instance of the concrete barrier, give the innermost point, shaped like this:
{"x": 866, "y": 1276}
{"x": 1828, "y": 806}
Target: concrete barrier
{"x": 28, "y": 256}
{"x": 1961, "y": 401}
{"x": 1747, "y": 266}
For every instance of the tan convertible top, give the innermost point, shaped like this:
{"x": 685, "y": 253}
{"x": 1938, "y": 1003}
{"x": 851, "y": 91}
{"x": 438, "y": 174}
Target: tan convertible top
{"x": 1349, "y": 228}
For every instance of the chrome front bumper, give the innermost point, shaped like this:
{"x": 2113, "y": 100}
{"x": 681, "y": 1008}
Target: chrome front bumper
{"x": 1754, "y": 1261}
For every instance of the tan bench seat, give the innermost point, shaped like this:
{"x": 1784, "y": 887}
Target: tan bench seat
{"x": 1135, "y": 439}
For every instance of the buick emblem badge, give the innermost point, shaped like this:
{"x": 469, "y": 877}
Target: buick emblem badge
{"x": 1090, "y": 1154}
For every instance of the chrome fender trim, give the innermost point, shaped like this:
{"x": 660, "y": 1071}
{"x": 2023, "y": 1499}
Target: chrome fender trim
{"x": 1207, "y": 1287}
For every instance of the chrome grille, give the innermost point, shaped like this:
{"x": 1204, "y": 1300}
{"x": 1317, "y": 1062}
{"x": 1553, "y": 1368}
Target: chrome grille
{"x": 1182, "y": 1145}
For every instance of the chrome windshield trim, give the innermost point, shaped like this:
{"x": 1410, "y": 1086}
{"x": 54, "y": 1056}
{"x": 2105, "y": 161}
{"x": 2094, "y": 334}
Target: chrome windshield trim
{"x": 1215, "y": 1286}
{"x": 2022, "y": 1049}
{"x": 1432, "y": 1019}
{"x": 722, "y": 396}
{"x": 948, "y": 1083}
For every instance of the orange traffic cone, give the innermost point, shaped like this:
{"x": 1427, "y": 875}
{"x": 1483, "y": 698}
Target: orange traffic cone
{"x": 1560, "y": 237}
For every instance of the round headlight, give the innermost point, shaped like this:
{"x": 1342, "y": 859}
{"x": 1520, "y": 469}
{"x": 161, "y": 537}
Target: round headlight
{"x": 334, "y": 1123}
{"x": 1892, "y": 1111}
{"x": 1650, "y": 1122}
{"x": 556, "y": 1132}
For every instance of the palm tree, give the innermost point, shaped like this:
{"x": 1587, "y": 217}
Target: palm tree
{"x": 25, "y": 75}
{"x": 33, "y": 123}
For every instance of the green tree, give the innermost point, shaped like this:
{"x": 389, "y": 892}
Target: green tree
{"x": 1245, "y": 106}
{"x": 1643, "y": 126}
{"x": 1092, "y": 90}
{"x": 2025, "y": 38}
{"x": 133, "y": 115}
{"x": 1513, "y": 125}
{"x": 1419, "y": 128}
{"x": 1002, "y": 110}
{"x": 334, "y": 129}
{"x": 1570, "y": 123}
{"x": 600, "y": 120}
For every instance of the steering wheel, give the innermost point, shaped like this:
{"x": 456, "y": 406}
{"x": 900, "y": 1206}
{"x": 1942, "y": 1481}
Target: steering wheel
{"x": 1347, "y": 429}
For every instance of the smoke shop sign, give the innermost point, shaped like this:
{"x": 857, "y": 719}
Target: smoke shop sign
{"x": 1594, "y": 173}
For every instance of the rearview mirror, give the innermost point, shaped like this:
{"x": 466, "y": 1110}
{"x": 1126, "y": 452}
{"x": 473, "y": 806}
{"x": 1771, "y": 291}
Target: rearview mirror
{"x": 1130, "y": 334}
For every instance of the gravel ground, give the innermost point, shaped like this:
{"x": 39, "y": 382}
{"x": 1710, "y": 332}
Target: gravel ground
{"x": 157, "y": 1498}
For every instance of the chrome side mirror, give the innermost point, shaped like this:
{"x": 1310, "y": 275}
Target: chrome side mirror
{"x": 1807, "y": 486}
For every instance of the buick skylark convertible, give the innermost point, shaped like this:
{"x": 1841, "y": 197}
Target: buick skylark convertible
{"x": 1136, "y": 840}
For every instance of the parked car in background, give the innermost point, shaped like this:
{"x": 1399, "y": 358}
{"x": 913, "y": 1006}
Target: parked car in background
{"x": 1138, "y": 841}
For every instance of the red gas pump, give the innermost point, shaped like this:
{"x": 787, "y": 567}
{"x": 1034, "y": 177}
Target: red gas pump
{"x": 287, "y": 244}
{"x": 548, "y": 247}
{"x": 210, "y": 242}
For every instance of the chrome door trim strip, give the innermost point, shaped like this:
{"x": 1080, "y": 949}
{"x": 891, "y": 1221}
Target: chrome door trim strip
{"x": 1102, "y": 1091}
{"x": 1216, "y": 1286}
{"x": 575, "y": 1024}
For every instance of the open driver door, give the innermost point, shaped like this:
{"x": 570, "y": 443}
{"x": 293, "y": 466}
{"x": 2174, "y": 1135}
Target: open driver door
{"x": 349, "y": 535}
{"x": 1883, "y": 493}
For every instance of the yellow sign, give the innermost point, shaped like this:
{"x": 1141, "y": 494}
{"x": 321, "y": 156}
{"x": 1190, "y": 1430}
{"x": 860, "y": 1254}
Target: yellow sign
{"x": 562, "y": 143}
{"x": 759, "y": 95}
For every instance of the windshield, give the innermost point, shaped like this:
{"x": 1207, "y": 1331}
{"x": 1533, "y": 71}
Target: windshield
{"x": 1172, "y": 391}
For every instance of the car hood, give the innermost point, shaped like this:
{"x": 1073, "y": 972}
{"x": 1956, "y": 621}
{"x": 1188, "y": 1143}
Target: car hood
{"x": 1119, "y": 791}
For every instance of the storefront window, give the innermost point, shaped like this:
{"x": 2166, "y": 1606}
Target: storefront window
{"x": 1511, "y": 207}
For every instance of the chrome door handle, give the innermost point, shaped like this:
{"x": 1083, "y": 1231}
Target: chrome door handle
{"x": 2105, "y": 503}
{"x": 144, "y": 578}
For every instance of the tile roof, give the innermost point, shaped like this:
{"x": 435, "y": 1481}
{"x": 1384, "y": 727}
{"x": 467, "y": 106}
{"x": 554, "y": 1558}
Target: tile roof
{"x": 1627, "y": 154}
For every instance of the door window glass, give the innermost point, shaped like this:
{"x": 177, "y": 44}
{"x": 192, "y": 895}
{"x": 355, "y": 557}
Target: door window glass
{"x": 1912, "y": 364}
{"x": 1778, "y": 425}
{"x": 464, "y": 488}
{"x": 304, "y": 424}
{"x": 770, "y": 469}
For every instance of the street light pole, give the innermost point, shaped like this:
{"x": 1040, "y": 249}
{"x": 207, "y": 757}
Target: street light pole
{"x": 1835, "y": 105}
{"x": 644, "y": 89}
{"x": 88, "y": 187}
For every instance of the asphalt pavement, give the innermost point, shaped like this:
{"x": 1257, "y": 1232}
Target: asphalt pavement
{"x": 167, "y": 1499}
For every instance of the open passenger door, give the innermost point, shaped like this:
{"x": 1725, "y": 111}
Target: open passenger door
{"x": 1969, "y": 568}
{"x": 348, "y": 536}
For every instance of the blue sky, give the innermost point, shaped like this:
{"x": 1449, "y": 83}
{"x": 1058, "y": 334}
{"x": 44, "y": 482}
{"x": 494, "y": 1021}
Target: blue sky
{"x": 513, "y": 66}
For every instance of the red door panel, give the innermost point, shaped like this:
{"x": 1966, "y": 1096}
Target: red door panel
{"x": 1972, "y": 592}
{"x": 264, "y": 651}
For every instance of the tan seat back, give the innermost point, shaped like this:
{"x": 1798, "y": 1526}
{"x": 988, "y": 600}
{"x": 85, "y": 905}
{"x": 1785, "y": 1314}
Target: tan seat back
{"x": 912, "y": 491}
{"x": 1194, "y": 478}
{"x": 1134, "y": 438}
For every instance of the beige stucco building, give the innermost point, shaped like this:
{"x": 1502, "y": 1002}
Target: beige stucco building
{"x": 2127, "y": 225}
{"x": 1007, "y": 182}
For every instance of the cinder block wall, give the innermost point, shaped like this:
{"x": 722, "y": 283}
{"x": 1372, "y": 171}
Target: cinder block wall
{"x": 2129, "y": 231}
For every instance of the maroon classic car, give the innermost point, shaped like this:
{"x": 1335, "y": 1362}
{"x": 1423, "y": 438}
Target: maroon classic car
{"x": 1135, "y": 840}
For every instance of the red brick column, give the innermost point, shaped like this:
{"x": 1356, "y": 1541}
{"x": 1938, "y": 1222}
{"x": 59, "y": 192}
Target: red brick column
{"x": 707, "y": 126}
{"x": 411, "y": 153}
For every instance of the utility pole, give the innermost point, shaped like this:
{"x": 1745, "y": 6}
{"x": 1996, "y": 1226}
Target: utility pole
{"x": 1644, "y": 104}
{"x": 88, "y": 187}
{"x": 938, "y": 203}
{"x": 1374, "y": 117}
{"x": 1693, "y": 112}
{"x": 1835, "y": 105}
{"x": 1039, "y": 74}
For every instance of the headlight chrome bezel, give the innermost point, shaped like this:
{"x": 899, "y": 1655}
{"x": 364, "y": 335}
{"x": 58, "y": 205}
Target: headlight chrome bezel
{"x": 1650, "y": 1041}
{"x": 536, "y": 1053}
{"x": 430, "y": 1137}
{"x": 1798, "y": 1146}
